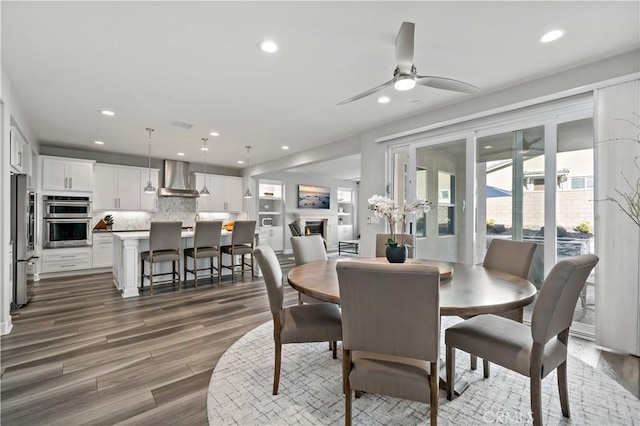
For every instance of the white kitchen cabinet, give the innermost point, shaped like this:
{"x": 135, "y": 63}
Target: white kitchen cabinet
{"x": 233, "y": 191}
{"x": 66, "y": 259}
{"x": 226, "y": 193}
{"x": 121, "y": 188}
{"x": 102, "y": 250}
{"x": 66, "y": 174}
{"x": 273, "y": 236}
{"x": 20, "y": 152}
{"x": 345, "y": 232}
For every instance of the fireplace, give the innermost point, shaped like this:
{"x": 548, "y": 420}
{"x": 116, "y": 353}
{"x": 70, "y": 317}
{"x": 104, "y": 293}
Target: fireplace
{"x": 314, "y": 227}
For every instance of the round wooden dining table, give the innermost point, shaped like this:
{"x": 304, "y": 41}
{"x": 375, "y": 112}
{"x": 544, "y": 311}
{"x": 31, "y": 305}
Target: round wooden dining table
{"x": 465, "y": 290}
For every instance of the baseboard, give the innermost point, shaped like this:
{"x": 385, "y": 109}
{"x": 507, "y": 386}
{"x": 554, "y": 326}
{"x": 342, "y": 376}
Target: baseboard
{"x": 6, "y": 327}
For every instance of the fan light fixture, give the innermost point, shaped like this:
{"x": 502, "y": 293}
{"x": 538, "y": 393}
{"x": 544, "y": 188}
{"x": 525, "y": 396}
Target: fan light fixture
{"x": 404, "y": 83}
{"x": 149, "y": 188}
{"x": 204, "y": 192}
{"x": 247, "y": 193}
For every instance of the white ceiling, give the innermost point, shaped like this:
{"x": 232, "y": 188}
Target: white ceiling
{"x": 345, "y": 168}
{"x": 198, "y": 62}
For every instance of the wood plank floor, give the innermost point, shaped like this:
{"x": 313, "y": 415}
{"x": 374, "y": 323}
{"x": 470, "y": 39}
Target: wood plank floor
{"x": 80, "y": 354}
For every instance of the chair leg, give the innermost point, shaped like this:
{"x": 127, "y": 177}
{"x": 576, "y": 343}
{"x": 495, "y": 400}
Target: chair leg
{"x": 451, "y": 369}
{"x": 536, "y": 398}
{"x": 141, "y": 274}
{"x": 563, "y": 389}
{"x": 335, "y": 349}
{"x": 233, "y": 267}
{"x": 151, "y": 278}
{"x": 195, "y": 272}
{"x": 434, "y": 380}
{"x": 179, "y": 276}
{"x": 486, "y": 369}
{"x": 346, "y": 366}
{"x": 474, "y": 362}
{"x": 276, "y": 369}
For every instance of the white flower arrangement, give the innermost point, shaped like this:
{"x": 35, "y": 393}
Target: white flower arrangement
{"x": 396, "y": 214}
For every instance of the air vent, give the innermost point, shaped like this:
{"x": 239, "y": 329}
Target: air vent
{"x": 181, "y": 124}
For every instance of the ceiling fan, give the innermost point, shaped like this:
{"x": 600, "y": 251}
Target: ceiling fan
{"x": 405, "y": 76}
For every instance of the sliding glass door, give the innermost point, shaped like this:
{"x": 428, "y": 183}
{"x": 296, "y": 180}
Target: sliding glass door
{"x": 516, "y": 177}
{"x": 510, "y": 178}
{"x": 440, "y": 178}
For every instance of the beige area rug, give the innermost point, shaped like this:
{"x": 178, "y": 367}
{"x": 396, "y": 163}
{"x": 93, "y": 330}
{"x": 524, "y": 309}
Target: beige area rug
{"x": 311, "y": 392}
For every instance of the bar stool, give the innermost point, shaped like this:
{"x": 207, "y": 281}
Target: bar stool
{"x": 242, "y": 241}
{"x": 206, "y": 244}
{"x": 164, "y": 246}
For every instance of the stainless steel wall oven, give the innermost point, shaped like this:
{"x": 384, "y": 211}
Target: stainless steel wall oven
{"x": 67, "y": 221}
{"x": 66, "y": 206}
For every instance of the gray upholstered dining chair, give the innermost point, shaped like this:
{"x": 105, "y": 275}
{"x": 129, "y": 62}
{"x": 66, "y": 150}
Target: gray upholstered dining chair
{"x": 513, "y": 257}
{"x": 206, "y": 245}
{"x": 164, "y": 246}
{"x": 242, "y": 242}
{"x": 319, "y": 322}
{"x": 532, "y": 351}
{"x": 307, "y": 249}
{"x": 390, "y": 331}
{"x": 381, "y": 243}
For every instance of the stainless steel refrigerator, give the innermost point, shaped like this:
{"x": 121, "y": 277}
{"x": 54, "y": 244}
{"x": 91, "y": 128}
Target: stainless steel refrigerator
{"x": 23, "y": 221}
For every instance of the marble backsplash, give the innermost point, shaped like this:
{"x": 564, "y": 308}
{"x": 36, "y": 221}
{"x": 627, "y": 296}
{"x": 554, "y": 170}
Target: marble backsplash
{"x": 169, "y": 209}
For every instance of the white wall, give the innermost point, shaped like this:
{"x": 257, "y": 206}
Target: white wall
{"x": 12, "y": 114}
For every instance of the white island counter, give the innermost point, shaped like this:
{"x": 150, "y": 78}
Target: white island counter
{"x": 127, "y": 247}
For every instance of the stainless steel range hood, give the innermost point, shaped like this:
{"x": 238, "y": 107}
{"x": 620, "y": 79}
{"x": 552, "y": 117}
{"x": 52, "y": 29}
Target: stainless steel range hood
{"x": 176, "y": 180}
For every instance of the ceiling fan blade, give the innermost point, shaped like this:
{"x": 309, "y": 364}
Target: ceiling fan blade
{"x": 446, "y": 84}
{"x": 404, "y": 47}
{"x": 368, "y": 92}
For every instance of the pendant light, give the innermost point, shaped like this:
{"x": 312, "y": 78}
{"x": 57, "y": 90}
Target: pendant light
{"x": 149, "y": 188}
{"x": 204, "y": 192}
{"x": 247, "y": 193}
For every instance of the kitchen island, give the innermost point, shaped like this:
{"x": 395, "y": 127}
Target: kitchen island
{"x": 127, "y": 247}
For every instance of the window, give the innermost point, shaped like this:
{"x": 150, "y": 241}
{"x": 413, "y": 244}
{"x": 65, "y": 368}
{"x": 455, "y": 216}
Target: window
{"x": 446, "y": 203}
{"x": 421, "y": 192}
{"x": 581, "y": 182}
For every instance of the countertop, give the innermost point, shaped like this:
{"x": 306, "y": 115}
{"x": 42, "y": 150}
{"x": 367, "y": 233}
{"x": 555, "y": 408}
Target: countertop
{"x": 143, "y": 235}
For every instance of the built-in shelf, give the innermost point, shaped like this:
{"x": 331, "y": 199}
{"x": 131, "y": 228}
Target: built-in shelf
{"x": 271, "y": 213}
{"x": 345, "y": 214}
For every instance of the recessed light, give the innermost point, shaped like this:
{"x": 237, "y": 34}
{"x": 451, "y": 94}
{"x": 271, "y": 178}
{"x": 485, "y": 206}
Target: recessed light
{"x": 284, "y": 147}
{"x": 487, "y": 146}
{"x": 268, "y": 46}
{"x": 383, "y": 100}
{"x": 98, "y": 142}
{"x": 240, "y": 162}
{"x": 204, "y": 149}
{"x": 214, "y": 134}
{"x": 107, "y": 112}
{"x": 181, "y": 154}
{"x": 552, "y": 35}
